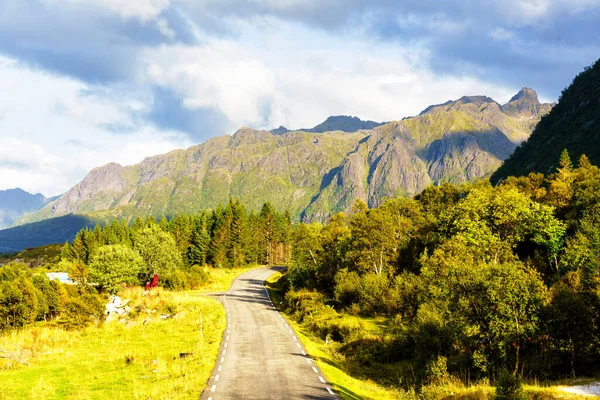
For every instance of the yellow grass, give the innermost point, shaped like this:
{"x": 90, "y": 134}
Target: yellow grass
{"x": 220, "y": 279}
{"x": 117, "y": 360}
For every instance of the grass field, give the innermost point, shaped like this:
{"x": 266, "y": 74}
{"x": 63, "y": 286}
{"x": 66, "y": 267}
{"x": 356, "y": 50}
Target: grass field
{"x": 352, "y": 385}
{"x": 136, "y": 359}
{"x": 220, "y": 279}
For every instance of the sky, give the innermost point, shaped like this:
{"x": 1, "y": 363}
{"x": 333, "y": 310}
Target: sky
{"x": 87, "y": 82}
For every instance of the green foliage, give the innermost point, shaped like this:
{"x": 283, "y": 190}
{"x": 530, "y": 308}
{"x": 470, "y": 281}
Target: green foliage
{"x": 485, "y": 278}
{"x": 26, "y": 297}
{"x": 159, "y": 254}
{"x": 115, "y": 265}
{"x": 508, "y": 386}
{"x": 80, "y": 312}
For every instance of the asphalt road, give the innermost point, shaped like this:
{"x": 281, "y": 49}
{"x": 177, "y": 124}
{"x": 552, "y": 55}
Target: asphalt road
{"x": 261, "y": 356}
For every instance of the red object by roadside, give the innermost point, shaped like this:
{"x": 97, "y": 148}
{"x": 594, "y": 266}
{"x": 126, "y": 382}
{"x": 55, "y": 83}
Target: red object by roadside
{"x": 153, "y": 283}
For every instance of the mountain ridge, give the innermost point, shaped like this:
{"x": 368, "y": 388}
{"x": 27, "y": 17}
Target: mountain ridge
{"x": 313, "y": 175}
{"x": 14, "y": 203}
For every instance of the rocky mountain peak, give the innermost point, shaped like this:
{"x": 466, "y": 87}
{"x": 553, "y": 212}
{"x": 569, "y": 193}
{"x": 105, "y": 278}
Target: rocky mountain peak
{"x": 525, "y": 104}
{"x": 526, "y": 94}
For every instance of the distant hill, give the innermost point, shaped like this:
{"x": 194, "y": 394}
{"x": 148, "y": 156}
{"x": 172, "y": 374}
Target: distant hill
{"x": 14, "y": 203}
{"x": 342, "y": 123}
{"x": 573, "y": 124}
{"x": 313, "y": 175}
{"x": 50, "y": 231}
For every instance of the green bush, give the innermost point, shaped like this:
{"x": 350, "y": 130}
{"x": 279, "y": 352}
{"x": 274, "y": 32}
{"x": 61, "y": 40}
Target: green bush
{"x": 196, "y": 277}
{"x": 80, "y": 313}
{"x": 14, "y": 311}
{"x": 508, "y": 386}
{"x": 44, "y": 286}
{"x": 347, "y": 287}
{"x": 437, "y": 371}
{"x": 328, "y": 324}
{"x": 115, "y": 265}
{"x": 303, "y": 302}
{"x": 374, "y": 291}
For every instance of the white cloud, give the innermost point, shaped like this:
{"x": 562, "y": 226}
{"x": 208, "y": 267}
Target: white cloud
{"x": 53, "y": 129}
{"x": 272, "y": 78}
{"x": 219, "y": 75}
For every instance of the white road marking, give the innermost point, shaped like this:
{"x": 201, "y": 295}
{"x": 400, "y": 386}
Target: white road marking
{"x": 222, "y": 359}
{"x": 220, "y": 366}
{"x": 217, "y": 378}
{"x": 308, "y": 360}
{"x": 225, "y": 345}
{"x": 295, "y": 338}
{"x": 297, "y": 344}
{"x": 316, "y": 370}
{"x": 303, "y": 353}
{"x": 224, "y": 352}
{"x": 212, "y": 389}
{"x": 322, "y": 380}
{"x": 227, "y": 338}
{"x": 290, "y": 331}
{"x": 329, "y": 390}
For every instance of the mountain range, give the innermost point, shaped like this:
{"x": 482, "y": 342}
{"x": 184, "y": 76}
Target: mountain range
{"x": 14, "y": 203}
{"x": 312, "y": 174}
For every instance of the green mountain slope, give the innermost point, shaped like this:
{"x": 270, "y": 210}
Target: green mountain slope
{"x": 573, "y": 124}
{"x": 311, "y": 174}
{"x": 14, "y": 203}
{"x": 50, "y": 231}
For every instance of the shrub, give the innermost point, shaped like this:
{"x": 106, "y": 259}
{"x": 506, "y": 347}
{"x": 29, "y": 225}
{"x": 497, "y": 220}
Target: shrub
{"x": 13, "y": 310}
{"x": 347, "y": 287}
{"x": 42, "y": 283}
{"x": 374, "y": 290}
{"x": 196, "y": 277}
{"x": 79, "y": 314}
{"x": 437, "y": 371}
{"x": 508, "y": 386}
{"x": 327, "y": 323}
{"x": 114, "y": 265}
{"x": 303, "y": 302}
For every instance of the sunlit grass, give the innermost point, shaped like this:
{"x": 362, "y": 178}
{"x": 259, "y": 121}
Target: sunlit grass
{"x": 134, "y": 360}
{"x": 220, "y": 279}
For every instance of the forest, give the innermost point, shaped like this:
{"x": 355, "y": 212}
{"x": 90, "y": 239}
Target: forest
{"x": 476, "y": 282}
{"x": 104, "y": 259}
{"x": 471, "y": 282}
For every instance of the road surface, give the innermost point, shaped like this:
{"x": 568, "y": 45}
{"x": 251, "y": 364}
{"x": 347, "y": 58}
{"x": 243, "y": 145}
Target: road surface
{"x": 261, "y": 356}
